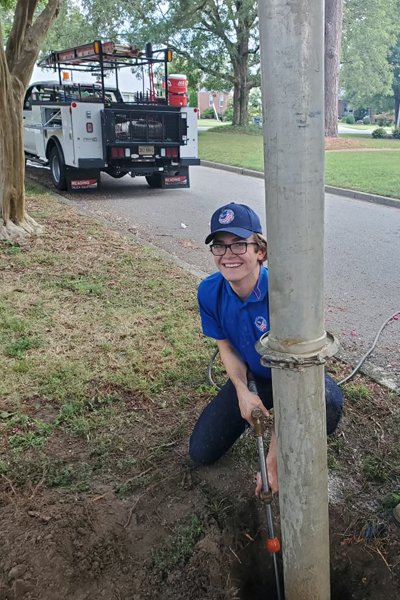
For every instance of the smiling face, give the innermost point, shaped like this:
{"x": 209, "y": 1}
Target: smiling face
{"x": 242, "y": 268}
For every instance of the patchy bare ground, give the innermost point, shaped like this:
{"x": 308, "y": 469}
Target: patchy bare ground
{"x": 340, "y": 143}
{"x": 104, "y": 378}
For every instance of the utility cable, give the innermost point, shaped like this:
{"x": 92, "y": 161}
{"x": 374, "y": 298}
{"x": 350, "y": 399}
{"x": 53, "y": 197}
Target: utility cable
{"x": 209, "y": 369}
{"x": 358, "y": 365}
{"x": 354, "y": 371}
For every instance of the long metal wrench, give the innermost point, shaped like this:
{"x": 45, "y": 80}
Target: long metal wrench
{"x": 273, "y": 545}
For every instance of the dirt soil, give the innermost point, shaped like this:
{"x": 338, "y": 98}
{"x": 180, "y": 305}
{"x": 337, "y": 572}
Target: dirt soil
{"x": 339, "y": 143}
{"x": 194, "y": 533}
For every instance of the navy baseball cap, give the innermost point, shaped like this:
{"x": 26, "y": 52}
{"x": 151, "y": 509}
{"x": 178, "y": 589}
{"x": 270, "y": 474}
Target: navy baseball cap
{"x": 239, "y": 219}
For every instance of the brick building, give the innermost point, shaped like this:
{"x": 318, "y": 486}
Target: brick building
{"x": 207, "y": 99}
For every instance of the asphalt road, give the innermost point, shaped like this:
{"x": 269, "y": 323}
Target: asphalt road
{"x": 362, "y": 246}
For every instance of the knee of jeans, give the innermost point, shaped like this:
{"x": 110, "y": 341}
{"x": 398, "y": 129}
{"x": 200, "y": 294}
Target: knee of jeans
{"x": 332, "y": 420}
{"x": 334, "y": 405}
{"x": 199, "y": 454}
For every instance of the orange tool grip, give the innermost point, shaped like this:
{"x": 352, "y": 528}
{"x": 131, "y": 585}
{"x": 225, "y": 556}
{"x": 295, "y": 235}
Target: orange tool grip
{"x": 273, "y": 545}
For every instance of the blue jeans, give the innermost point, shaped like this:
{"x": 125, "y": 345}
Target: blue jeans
{"x": 221, "y": 424}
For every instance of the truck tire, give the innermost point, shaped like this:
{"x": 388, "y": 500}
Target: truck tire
{"x": 154, "y": 180}
{"x": 58, "y": 169}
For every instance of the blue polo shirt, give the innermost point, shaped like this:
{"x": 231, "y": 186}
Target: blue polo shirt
{"x": 225, "y": 317}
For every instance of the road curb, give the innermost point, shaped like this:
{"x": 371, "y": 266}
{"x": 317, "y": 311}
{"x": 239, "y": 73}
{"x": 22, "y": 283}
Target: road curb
{"x": 232, "y": 169}
{"x": 373, "y": 198}
{"x": 375, "y": 372}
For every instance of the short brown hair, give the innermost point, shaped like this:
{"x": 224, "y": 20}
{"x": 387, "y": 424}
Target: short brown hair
{"x": 262, "y": 243}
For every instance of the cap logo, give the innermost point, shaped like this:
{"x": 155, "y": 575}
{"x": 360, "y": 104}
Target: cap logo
{"x": 260, "y": 323}
{"x": 226, "y": 216}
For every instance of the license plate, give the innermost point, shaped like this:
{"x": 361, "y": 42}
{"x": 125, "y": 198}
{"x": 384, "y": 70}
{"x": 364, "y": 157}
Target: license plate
{"x": 145, "y": 150}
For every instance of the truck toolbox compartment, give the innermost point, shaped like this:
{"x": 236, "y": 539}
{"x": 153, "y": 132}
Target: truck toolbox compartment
{"x": 149, "y": 125}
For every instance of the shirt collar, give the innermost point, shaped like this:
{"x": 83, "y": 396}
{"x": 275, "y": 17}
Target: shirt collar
{"x": 259, "y": 291}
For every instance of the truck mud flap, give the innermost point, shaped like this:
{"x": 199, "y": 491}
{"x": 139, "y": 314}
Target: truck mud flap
{"x": 176, "y": 179}
{"x": 83, "y": 179}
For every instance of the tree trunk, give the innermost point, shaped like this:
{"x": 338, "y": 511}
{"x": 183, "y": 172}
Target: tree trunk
{"x": 14, "y": 222}
{"x": 236, "y": 105}
{"x": 396, "y": 105}
{"x": 16, "y": 66}
{"x": 241, "y": 88}
{"x": 333, "y": 39}
{"x": 244, "y": 104}
{"x": 241, "y": 92}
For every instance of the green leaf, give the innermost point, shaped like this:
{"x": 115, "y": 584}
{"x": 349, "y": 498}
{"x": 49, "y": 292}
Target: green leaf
{"x": 6, "y": 415}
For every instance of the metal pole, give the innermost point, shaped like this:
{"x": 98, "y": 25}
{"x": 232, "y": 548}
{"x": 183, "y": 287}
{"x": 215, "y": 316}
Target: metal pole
{"x": 101, "y": 58}
{"x": 116, "y": 78}
{"x": 292, "y": 60}
{"x": 166, "y": 75}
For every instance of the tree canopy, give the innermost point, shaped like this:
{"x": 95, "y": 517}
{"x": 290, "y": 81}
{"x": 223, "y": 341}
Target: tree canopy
{"x": 219, "y": 37}
{"x": 216, "y": 40}
{"x": 370, "y": 31}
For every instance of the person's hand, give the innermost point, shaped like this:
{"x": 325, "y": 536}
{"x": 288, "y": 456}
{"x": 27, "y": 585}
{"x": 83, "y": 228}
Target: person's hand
{"x": 249, "y": 401}
{"x": 272, "y": 478}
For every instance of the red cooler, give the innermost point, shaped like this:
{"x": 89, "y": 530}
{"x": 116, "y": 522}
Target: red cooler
{"x": 177, "y": 90}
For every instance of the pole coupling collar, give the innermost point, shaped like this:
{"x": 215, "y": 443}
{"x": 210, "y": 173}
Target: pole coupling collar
{"x": 295, "y": 362}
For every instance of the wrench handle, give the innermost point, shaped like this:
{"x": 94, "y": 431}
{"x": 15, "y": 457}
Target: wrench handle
{"x": 251, "y": 382}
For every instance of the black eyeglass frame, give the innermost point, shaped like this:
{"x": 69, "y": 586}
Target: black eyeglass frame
{"x": 230, "y": 247}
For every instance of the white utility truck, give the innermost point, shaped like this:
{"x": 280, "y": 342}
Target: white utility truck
{"x": 81, "y": 129}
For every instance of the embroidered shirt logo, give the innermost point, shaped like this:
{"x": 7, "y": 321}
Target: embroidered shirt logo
{"x": 226, "y": 216}
{"x": 260, "y": 323}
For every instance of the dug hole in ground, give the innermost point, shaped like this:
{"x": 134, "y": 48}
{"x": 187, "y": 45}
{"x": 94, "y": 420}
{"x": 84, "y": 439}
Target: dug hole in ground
{"x": 104, "y": 376}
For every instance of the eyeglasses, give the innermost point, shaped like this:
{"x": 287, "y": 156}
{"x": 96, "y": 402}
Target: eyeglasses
{"x": 236, "y": 248}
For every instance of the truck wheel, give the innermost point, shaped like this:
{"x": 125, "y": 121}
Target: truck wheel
{"x": 154, "y": 180}
{"x": 57, "y": 170}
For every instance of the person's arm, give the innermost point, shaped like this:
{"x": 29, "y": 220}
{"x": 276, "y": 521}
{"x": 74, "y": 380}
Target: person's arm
{"x": 237, "y": 373}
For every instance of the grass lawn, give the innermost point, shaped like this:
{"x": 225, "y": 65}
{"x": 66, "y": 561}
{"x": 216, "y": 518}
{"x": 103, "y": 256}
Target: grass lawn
{"x": 90, "y": 320}
{"x": 375, "y": 172}
{"x": 232, "y": 149}
{"x": 211, "y": 123}
{"x": 103, "y": 376}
